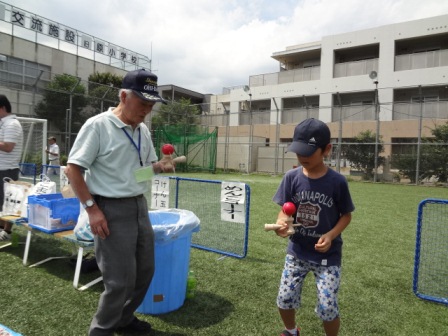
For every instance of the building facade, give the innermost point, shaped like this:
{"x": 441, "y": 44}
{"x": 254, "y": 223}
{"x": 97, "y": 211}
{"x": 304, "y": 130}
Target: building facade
{"x": 35, "y": 50}
{"x": 392, "y": 78}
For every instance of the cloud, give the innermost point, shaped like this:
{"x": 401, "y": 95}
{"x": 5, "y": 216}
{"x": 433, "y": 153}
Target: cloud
{"x": 206, "y": 45}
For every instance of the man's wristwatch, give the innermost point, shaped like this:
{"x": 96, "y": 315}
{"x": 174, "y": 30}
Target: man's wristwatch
{"x": 88, "y": 204}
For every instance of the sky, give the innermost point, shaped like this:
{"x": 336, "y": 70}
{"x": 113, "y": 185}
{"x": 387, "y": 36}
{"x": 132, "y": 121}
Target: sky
{"x": 207, "y": 45}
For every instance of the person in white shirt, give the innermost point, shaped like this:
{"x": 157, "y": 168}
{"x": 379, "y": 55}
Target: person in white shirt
{"x": 11, "y": 142}
{"x": 53, "y": 156}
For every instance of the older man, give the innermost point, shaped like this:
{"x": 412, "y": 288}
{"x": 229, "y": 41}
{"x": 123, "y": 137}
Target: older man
{"x": 117, "y": 154}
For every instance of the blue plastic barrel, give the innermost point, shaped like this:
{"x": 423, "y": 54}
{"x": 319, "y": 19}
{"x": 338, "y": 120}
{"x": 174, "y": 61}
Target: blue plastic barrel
{"x": 173, "y": 229}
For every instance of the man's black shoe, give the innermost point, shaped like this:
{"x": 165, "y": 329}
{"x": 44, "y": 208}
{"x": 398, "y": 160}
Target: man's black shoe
{"x": 137, "y": 326}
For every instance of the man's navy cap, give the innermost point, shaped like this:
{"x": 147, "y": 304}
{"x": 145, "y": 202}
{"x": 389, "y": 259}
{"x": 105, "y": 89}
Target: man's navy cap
{"x": 309, "y": 135}
{"x": 144, "y": 84}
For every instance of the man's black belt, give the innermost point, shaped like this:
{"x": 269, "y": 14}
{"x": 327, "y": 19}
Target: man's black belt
{"x": 99, "y": 197}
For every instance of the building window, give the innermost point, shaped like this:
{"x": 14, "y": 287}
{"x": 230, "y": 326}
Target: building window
{"x": 16, "y": 73}
{"x": 404, "y": 146}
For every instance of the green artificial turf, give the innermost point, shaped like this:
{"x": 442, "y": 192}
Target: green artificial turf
{"x": 237, "y": 296}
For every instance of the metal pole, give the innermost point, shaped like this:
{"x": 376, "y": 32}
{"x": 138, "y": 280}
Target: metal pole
{"x": 338, "y": 156}
{"x": 251, "y": 134}
{"x": 67, "y": 112}
{"x": 104, "y": 96}
{"x": 70, "y": 115}
{"x": 377, "y": 135}
{"x": 226, "y": 148}
{"x": 306, "y": 106}
{"x": 277, "y": 136}
{"x": 69, "y": 140}
{"x": 251, "y": 128}
{"x": 27, "y": 142}
{"x": 35, "y": 87}
{"x": 417, "y": 167}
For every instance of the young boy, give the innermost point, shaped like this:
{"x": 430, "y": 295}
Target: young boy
{"x": 324, "y": 207}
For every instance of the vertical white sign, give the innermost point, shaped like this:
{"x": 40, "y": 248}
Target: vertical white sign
{"x": 86, "y": 42}
{"x": 233, "y": 196}
{"x": 18, "y": 17}
{"x": 100, "y": 46}
{"x": 70, "y": 36}
{"x": 113, "y": 51}
{"x": 160, "y": 193}
{"x": 2, "y": 12}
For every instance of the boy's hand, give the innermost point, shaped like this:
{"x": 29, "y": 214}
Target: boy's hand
{"x": 283, "y": 231}
{"x": 323, "y": 244}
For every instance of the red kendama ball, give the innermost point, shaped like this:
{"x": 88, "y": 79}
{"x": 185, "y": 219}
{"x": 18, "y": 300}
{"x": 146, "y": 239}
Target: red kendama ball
{"x": 167, "y": 149}
{"x": 289, "y": 208}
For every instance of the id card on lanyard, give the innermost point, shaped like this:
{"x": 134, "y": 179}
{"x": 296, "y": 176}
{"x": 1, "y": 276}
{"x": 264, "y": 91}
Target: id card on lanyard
{"x": 141, "y": 174}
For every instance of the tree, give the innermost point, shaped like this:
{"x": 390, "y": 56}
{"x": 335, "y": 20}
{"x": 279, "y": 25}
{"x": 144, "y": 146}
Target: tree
{"x": 361, "y": 154}
{"x": 433, "y": 159}
{"x": 56, "y": 101}
{"x": 437, "y": 153}
{"x": 105, "y": 78}
{"x": 406, "y": 165}
{"x": 180, "y": 113}
{"x": 103, "y": 91}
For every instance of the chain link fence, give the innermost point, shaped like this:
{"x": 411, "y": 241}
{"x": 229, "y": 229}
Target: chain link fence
{"x": 254, "y": 139}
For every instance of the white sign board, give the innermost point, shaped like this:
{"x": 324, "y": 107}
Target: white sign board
{"x": 233, "y": 196}
{"x": 160, "y": 193}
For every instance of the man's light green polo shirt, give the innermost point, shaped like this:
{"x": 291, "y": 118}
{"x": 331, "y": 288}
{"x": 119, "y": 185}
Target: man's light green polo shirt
{"x": 110, "y": 157}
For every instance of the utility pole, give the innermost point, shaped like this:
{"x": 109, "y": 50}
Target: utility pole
{"x": 377, "y": 135}
{"x": 419, "y": 141}
{"x": 338, "y": 156}
{"x": 251, "y": 128}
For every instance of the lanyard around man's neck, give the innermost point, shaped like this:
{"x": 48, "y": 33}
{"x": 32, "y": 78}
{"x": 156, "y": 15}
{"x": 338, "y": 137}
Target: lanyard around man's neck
{"x": 136, "y": 147}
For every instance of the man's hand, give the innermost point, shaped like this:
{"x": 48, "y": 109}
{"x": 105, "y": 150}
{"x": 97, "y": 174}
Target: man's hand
{"x": 98, "y": 223}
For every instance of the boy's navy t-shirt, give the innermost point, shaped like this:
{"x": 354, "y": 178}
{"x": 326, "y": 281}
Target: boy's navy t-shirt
{"x": 320, "y": 203}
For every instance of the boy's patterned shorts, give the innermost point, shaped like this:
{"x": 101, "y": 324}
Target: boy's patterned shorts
{"x": 327, "y": 282}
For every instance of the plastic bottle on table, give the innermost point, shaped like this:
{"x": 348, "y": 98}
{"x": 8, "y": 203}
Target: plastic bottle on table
{"x": 191, "y": 285}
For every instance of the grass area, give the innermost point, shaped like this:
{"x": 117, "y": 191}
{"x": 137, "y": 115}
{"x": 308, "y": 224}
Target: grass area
{"x": 237, "y": 296}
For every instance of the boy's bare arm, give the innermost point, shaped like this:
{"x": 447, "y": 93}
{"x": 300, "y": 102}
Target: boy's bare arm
{"x": 282, "y": 232}
{"x": 340, "y": 226}
{"x": 324, "y": 242}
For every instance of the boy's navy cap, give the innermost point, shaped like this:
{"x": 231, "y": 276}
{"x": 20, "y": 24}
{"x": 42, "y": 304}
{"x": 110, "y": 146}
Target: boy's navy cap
{"x": 144, "y": 84}
{"x": 309, "y": 135}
